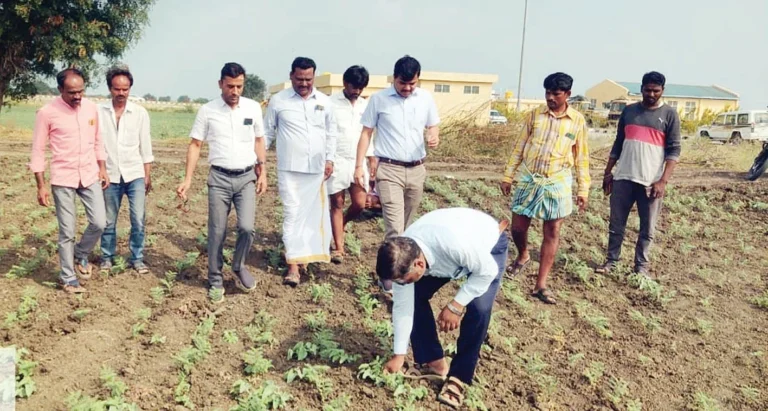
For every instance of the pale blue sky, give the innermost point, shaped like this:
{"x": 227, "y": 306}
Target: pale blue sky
{"x": 692, "y": 42}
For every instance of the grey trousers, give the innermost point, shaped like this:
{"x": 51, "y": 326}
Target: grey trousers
{"x": 624, "y": 195}
{"x": 223, "y": 191}
{"x": 66, "y": 212}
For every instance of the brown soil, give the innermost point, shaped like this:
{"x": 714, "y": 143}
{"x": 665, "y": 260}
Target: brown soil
{"x": 709, "y": 251}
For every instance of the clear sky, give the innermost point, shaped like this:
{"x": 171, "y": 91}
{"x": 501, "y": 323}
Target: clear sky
{"x": 700, "y": 42}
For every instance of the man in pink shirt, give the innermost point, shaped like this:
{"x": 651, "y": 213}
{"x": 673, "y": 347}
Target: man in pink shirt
{"x": 69, "y": 125}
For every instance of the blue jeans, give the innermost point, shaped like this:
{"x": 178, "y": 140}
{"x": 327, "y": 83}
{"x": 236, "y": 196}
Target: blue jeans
{"x": 474, "y": 326}
{"x": 113, "y": 196}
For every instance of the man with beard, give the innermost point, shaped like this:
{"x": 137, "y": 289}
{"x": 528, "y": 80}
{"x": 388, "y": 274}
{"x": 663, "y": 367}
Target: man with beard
{"x": 124, "y": 127}
{"x": 301, "y": 122}
{"x": 348, "y": 107}
{"x": 552, "y": 143}
{"x": 233, "y": 127}
{"x": 70, "y": 126}
{"x": 647, "y": 148}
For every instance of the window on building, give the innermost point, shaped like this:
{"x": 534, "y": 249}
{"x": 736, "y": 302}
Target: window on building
{"x": 672, "y": 104}
{"x": 442, "y": 88}
{"x": 690, "y": 110}
{"x": 471, "y": 89}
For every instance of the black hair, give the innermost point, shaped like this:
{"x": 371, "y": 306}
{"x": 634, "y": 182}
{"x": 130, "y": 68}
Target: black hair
{"x": 654, "y": 77}
{"x": 61, "y": 76}
{"x": 407, "y": 68}
{"x": 303, "y": 63}
{"x": 118, "y": 71}
{"x": 232, "y": 70}
{"x": 558, "y": 81}
{"x": 396, "y": 257}
{"x": 357, "y": 76}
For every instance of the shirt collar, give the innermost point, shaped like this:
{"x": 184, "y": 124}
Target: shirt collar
{"x": 129, "y": 106}
{"x": 311, "y": 95}
{"x": 570, "y": 112}
{"x": 426, "y": 251}
{"x": 224, "y": 104}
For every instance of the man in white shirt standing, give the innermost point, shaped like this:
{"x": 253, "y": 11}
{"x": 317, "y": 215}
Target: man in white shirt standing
{"x": 124, "y": 128}
{"x": 300, "y": 120}
{"x": 400, "y": 114}
{"x": 233, "y": 127}
{"x": 348, "y": 108}
{"x": 443, "y": 245}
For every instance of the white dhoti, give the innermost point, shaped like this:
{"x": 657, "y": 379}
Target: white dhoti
{"x": 306, "y": 217}
{"x": 344, "y": 175}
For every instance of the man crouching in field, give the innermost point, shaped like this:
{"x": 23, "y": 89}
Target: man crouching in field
{"x": 443, "y": 245}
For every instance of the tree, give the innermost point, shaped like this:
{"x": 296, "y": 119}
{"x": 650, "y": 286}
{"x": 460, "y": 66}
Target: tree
{"x": 255, "y": 87}
{"x": 164, "y": 99}
{"x": 43, "y": 88}
{"x": 184, "y": 99}
{"x": 201, "y": 100}
{"x": 149, "y": 97}
{"x": 36, "y": 36}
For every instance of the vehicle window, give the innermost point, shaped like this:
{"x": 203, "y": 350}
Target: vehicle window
{"x": 730, "y": 120}
{"x": 719, "y": 121}
{"x": 761, "y": 118}
{"x": 743, "y": 119}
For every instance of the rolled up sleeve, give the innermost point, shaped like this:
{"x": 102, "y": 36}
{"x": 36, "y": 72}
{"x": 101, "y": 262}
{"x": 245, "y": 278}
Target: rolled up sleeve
{"x": 145, "y": 139}
{"x": 40, "y": 138}
{"x": 483, "y": 269}
{"x": 200, "y": 126}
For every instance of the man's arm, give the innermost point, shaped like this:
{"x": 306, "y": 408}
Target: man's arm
{"x": 101, "y": 152}
{"x": 145, "y": 148}
{"x": 362, "y": 148}
{"x": 40, "y": 138}
{"x": 618, "y": 144}
{"x": 433, "y": 119}
{"x": 198, "y": 134}
{"x": 270, "y": 123}
{"x": 581, "y": 163}
{"x": 516, "y": 158}
{"x": 402, "y": 324}
{"x": 484, "y": 270}
{"x": 672, "y": 150}
{"x": 331, "y": 134}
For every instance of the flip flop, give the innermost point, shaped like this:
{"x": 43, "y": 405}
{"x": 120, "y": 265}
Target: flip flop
{"x": 545, "y": 296}
{"x": 292, "y": 278}
{"x": 452, "y": 393}
{"x": 337, "y": 257}
{"x": 516, "y": 268}
{"x": 422, "y": 372}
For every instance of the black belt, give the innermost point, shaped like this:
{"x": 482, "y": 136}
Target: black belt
{"x": 232, "y": 172}
{"x": 401, "y": 163}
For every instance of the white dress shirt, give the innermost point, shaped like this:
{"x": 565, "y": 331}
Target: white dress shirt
{"x": 231, "y": 133}
{"x": 455, "y": 242}
{"x": 129, "y": 145}
{"x": 348, "y": 118}
{"x": 400, "y": 123}
{"x": 305, "y": 131}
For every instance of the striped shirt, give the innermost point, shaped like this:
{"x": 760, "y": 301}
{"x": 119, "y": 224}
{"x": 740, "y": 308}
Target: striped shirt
{"x": 645, "y": 139}
{"x": 548, "y": 144}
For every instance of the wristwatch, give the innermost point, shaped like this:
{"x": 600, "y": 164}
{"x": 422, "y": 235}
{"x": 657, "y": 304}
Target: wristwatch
{"x": 454, "y": 310}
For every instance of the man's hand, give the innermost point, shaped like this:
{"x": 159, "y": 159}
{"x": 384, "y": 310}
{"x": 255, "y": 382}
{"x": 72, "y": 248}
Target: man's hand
{"x": 394, "y": 364}
{"x": 43, "y": 197}
{"x": 447, "y": 320}
{"x": 433, "y": 141}
{"x": 104, "y": 179}
{"x": 182, "y": 190}
{"x": 147, "y": 185}
{"x": 359, "y": 178}
{"x": 658, "y": 189}
{"x": 608, "y": 184}
{"x": 506, "y": 188}
{"x": 328, "y": 169}
{"x": 261, "y": 184}
{"x": 582, "y": 202}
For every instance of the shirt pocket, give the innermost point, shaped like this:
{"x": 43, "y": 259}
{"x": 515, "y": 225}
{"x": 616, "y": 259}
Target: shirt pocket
{"x": 245, "y": 132}
{"x": 130, "y": 135}
{"x": 316, "y": 119}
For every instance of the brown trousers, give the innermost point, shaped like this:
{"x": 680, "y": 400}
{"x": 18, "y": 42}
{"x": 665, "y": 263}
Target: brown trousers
{"x": 400, "y": 190}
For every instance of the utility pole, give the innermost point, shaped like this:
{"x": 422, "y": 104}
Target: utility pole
{"x": 522, "y": 52}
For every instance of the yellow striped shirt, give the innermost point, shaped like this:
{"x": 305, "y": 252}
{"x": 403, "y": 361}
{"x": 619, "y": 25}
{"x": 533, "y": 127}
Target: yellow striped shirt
{"x": 549, "y": 144}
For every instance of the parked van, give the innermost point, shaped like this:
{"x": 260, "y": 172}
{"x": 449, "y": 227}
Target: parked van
{"x": 497, "y": 117}
{"x": 736, "y": 126}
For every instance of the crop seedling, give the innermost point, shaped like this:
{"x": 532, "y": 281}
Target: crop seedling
{"x": 339, "y": 403}
{"x": 25, "y": 368}
{"x": 260, "y": 329}
{"x": 594, "y": 372}
{"x": 26, "y": 307}
{"x": 651, "y": 324}
{"x": 119, "y": 265}
{"x": 157, "y": 339}
{"x": 575, "y": 359}
{"x": 230, "y": 336}
{"x": 181, "y": 391}
{"x": 302, "y": 350}
{"x": 157, "y": 294}
{"x": 150, "y": 240}
{"x": 169, "y": 281}
{"x": 78, "y": 315}
{"x": 750, "y": 394}
{"x": 321, "y": 293}
{"x": 274, "y": 256}
{"x": 512, "y": 292}
{"x": 353, "y": 244}
{"x": 267, "y": 397}
{"x": 619, "y": 389}
{"x": 255, "y": 363}
{"x": 313, "y": 374}
{"x": 316, "y": 321}
{"x": 651, "y": 288}
{"x": 202, "y": 238}
{"x": 142, "y": 315}
{"x": 703, "y": 327}
{"x": 187, "y": 262}
{"x": 703, "y": 402}
{"x": 634, "y": 405}
{"x": 594, "y": 318}
{"x": 761, "y": 301}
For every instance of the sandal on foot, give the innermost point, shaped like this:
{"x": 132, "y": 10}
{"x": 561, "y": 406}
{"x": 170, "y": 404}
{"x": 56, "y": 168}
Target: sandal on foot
{"x": 452, "y": 393}
{"x": 337, "y": 257}
{"x": 84, "y": 269}
{"x": 605, "y": 268}
{"x": 516, "y": 268}
{"x": 422, "y": 372}
{"x": 545, "y": 296}
{"x": 292, "y": 278}
{"x": 73, "y": 287}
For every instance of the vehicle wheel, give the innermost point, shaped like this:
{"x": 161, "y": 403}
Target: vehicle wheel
{"x": 758, "y": 168}
{"x": 736, "y": 139}
{"x": 704, "y": 134}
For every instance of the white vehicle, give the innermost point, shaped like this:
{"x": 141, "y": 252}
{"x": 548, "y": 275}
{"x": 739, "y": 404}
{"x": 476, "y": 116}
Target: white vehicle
{"x": 736, "y": 126}
{"x": 497, "y": 117}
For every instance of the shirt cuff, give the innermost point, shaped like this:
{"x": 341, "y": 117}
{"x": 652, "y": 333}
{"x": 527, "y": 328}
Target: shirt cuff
{"x": 148, "y": 159}
{"x": 401, "y": 347}
{"x": 330, "y": 157}
{"x": 463, "y": 297}
{"x": 507, "y": 179}
{"x": 672, "y": 158}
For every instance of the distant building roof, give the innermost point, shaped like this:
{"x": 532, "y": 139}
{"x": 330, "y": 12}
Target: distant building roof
{"x": 682, "y": 91}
